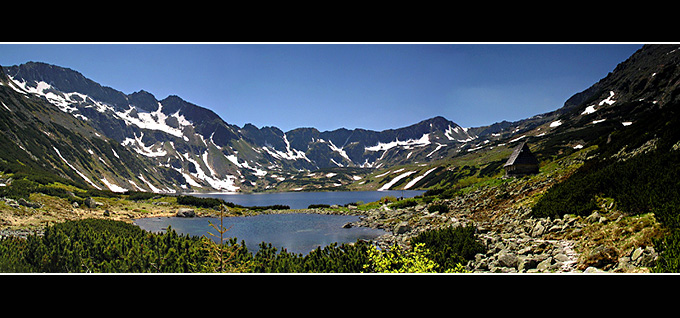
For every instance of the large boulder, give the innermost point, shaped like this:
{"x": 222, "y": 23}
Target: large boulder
{"x": 90, "y": 203}
{"x": 646, "y": 257}
{"x": 402, "y": 228}
{"x": 507, "y": 259}
{"x": 35, "y": 205}
{"x": 538, "y": 229}
{"x": 185, "y": 213}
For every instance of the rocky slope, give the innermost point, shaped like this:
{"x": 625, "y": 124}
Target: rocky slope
{"x": 500, "y": 209}
{"x": 613, "y": 112}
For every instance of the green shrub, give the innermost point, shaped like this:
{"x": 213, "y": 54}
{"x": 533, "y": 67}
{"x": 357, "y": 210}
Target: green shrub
{"x": 19, "y": 189}
{"x": 433, "y": 192}
{"x": 269, "y": 207}
{"x": 139, "y": 196}
{"x": 438, "y": 207}
{"x": 396, "y": 260}
{"x": 669, "y": 253}
{"x": 645, "y": 183}
{"x": 95, "y": 245}
{"x": 210, "y": 203}
{"x": 402, "y": 204}
{"x": 334, "y": 258}
{"x": 107, "y": 246}
{"x": 450, "y": 246}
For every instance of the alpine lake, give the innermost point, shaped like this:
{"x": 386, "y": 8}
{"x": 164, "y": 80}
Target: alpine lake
{"x": 296, "y": 232}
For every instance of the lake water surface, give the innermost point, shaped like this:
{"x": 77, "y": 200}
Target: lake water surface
{"x": 296, "y": 232}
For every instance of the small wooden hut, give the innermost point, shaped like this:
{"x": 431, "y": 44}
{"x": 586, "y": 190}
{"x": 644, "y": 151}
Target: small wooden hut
{"x": 521, "y": 162}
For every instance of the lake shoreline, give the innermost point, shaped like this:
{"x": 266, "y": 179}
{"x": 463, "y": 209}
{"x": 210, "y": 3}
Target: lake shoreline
{"x": 381, "y": 218}
{"x": 23, "y": 220}
{"x": 302, "y": 199}
{"x": 289, "y": 229}
{"x": 365, "y": 220}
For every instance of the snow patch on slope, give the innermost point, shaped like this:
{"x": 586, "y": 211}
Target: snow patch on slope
{"x": 589, "y": 110}
{"x": 423, "y": 141}
{"x": 439, "y": 146}
{"x": 63, "y": 101}
{"x": 154, "y": 120}
{"x": 338, "y": 150}
{"x": 76, "y": 170}
{"x": 227, "y": 184}
{"x": 257, "y": 172}
{"x": 112, "y": 186}
{"x": 154, "y": 189}
{"x": 609, "y": 101}
{"x": 458, "y": 130}
{"x": 138, "y": 145}
{"x": 388, "y": 185}
{"x": 289, "y": 154}
{"x": 418, "y": 178}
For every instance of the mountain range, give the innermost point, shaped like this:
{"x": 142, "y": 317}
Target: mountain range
{"x": 55, "y": 121}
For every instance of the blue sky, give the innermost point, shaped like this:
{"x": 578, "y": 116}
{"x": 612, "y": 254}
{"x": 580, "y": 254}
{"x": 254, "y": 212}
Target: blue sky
{"x": 329, "y": 86}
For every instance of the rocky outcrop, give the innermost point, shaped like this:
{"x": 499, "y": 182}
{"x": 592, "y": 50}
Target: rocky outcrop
{"x": 185, "y": 213}
{"x": 515, "y": 241}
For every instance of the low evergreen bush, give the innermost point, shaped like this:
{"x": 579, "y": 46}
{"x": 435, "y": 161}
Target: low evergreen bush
{"x": 107, "y": 246}
{"x": 402, "y": 204}
{"x": 451, "y": 246}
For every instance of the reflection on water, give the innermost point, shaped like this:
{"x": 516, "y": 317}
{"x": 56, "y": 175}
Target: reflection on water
{"x": 296, "y": 232}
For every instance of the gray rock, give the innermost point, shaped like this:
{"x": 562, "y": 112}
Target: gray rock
{"x": 556, "y": 228}
{"x": 561, "y": 257}
{"x": 90, "y": 203}
{"x": 594, "y": 217}
{"x": 593, "y": 270}
{"x": 569, "y": 219}
{"x": 525, "y": 250}
{"x": 527, "y": 263}
{"x": 544, "y": 265}
{"x": 402, "y": 228}
{"x": 648, "y": 257}
{"x": 506, "y": 259}
{"x": 637, "y": 253}
{"x": 481, "y": 262}
{"x": 29, "y": 204}
{"x": 538, "y": 230}
{"x": 185, "y": 213}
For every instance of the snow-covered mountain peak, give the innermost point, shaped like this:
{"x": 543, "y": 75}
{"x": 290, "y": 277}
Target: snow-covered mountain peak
{"x": 202, "y": 152}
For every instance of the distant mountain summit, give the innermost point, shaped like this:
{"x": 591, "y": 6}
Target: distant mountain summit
{"x": 84, "y": 131}
{"x": 204, "y": 153}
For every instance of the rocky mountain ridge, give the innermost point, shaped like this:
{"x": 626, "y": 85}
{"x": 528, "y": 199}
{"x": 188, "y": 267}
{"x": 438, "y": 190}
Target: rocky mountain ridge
{"x": 208, "y": 154}
{"x": 182, "y": 147}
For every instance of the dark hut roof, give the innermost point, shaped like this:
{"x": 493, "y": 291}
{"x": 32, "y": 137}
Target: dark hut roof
{"x": 521, "y": 156}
